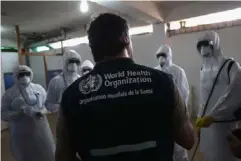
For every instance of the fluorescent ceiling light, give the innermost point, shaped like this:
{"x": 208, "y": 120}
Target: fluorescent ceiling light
{"x": 55, "y": 45}
{"x": 2, "y": 28}
{"x": 42, "y": 48}
{"x": 70, "y": 42}
{"x": 84, "y": 40}
{"x": 84, "y": 6}
{"x": 75, "y": 41}
{"x": 212, "y": 18}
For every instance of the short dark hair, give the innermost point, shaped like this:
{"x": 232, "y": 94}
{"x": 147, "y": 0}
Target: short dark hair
{"x": 107, "y": 35}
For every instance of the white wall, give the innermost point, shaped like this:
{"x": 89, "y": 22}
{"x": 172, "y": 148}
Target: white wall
{"x": 186, "y": 55}
{"x": 145, "y": 46}
{"x": 37, "y": 65}
{"x": 8, "y": 42}
{"x": 83, "y": 50}
{"x": 10, "y": 60}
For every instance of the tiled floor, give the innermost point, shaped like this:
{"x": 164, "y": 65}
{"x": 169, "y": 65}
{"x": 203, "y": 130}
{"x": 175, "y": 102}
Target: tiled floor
{"x": 5, "y": 143}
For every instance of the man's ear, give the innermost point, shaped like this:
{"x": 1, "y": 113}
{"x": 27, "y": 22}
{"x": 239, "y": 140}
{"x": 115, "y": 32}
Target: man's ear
{"x": 125, "y": 40}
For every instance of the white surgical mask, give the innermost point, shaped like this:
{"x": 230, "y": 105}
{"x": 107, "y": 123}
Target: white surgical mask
{"x": 72, "y": 67}
{"x": 24, "y": 80}
{"x": 206, "y": 51}
{"x": 86, "y": 72}
{"x": 162, "y": 61}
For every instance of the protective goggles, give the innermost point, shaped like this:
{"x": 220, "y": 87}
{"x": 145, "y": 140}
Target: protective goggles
{"x": 22, "y": 74}
{"x": 161, "y": 55}
{"x": 204, "y": 43}
{"x": 74, "y": 61}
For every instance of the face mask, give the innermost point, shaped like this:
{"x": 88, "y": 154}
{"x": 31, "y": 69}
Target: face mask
{"x": 162, "y": 61}
{"x": 85, "y": 72}
{"x": 206, "y": 51}
{"x": 24, "y": 80}
{"x": 72, "y": 67}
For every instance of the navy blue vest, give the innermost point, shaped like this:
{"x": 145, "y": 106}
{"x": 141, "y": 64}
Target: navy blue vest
{"x": 121, "y": 111}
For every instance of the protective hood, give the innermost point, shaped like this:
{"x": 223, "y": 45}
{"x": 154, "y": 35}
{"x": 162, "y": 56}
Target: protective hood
{"x": 68, "y": 55}
{"x": 88, "y": 64}
{"x": 212, "y": 36}
{"x": 168, "y": 51}
{"x": 22, "y": 68}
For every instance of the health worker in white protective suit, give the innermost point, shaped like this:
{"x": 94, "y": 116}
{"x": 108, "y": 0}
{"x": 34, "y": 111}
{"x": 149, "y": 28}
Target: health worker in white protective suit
{"x": 86, "y": 67}
{"x": 59, "y": 83}
{"x": 23, "y": 108}
{"x": 220, "y": 103}
{"x": 164, "y": 56}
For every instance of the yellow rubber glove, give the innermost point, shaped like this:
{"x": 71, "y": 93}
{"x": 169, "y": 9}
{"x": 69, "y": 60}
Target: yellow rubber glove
{"x": 198, "y": 129}
{"x": 205, "y": 121}
{"x": 198, "y": 121}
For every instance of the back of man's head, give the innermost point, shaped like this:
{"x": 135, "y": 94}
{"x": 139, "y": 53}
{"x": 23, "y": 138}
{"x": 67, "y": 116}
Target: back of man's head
{"x": 108, "y": 36}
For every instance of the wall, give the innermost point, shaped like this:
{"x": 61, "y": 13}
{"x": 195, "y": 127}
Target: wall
{"x": 8, "y": 42}
{"x": 186, "y": 55}
{"x": 145, "y": 46}
{"x": 84, "y": 51}
{"x": 37, "y": 65}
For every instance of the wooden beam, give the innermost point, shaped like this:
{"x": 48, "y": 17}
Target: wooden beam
{"x": 20, "y": 57}
{"x": 39, "y": 54}
{"x": 45, "y": 68}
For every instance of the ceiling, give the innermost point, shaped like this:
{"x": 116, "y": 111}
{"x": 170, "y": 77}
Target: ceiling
{"x": 188, "y": 9}
{"x": 38, "y": 17}
{"x": 166, "y": 7}
{"x": 39, "y": 20}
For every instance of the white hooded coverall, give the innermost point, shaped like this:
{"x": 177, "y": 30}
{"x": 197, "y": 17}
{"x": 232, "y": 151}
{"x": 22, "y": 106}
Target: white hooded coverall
{"x": 180, "y": 79}
{"x": 31, "y": 137}
{"x": 59, "y": 83}
{"x": 224, "y": 101}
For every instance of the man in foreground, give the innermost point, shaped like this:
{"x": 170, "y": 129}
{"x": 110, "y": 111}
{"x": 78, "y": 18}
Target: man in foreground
{"x": 106, "y": 114}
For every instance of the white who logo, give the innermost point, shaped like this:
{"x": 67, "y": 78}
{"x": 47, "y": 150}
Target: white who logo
{"x": 90, "y": 84}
